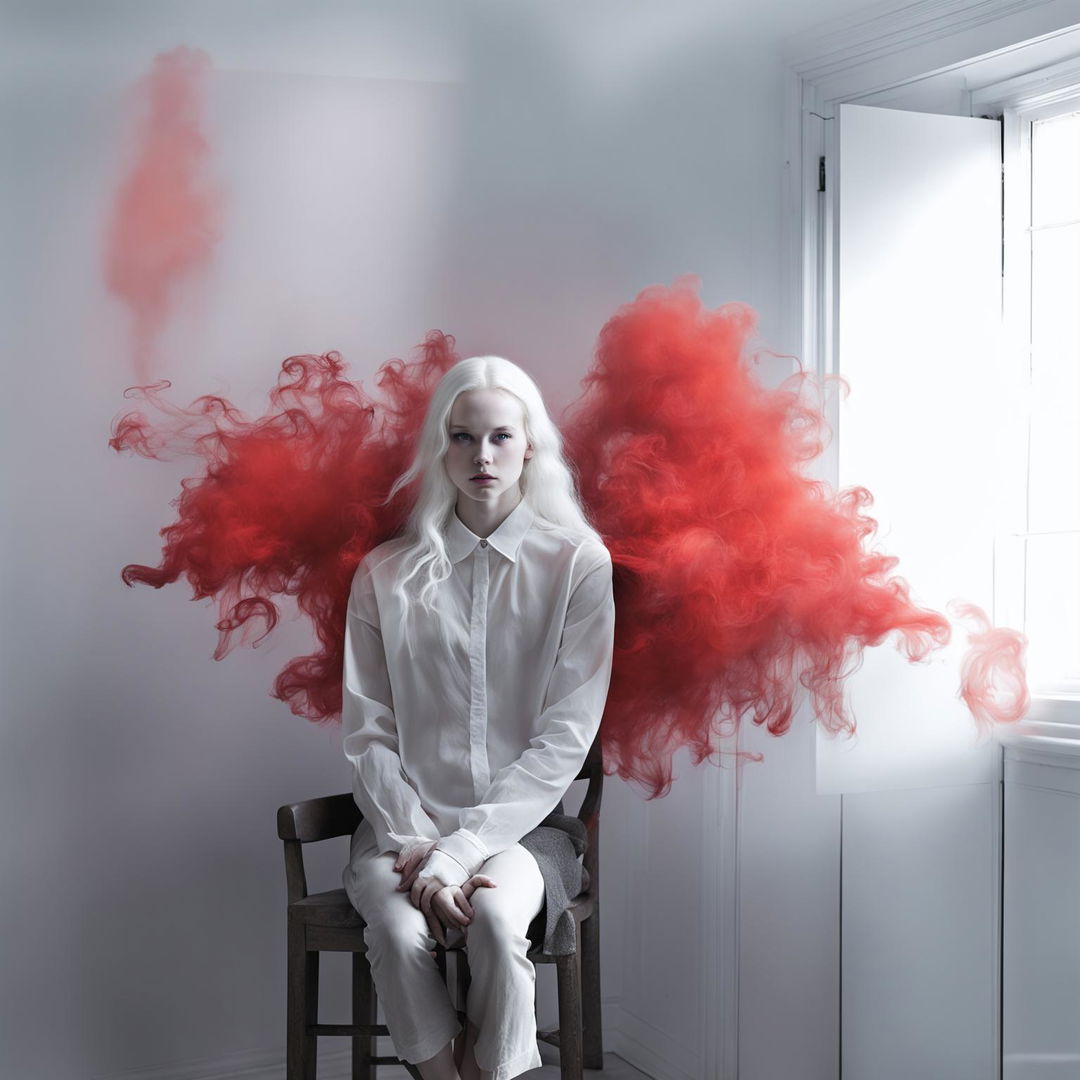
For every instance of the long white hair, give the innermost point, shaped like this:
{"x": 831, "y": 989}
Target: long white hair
{"x": 547, "y": 482}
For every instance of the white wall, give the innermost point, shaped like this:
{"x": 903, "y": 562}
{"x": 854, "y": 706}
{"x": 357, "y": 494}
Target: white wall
{"x": 1041, "y": 956}
{"x": 558, "y": 159}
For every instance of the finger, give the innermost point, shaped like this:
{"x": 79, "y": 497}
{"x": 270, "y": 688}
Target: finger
{"x": 463, "y": 903}
{"x": 411, "y": 867}
{"x": 447, "y": 912}
{"x": 457, "y": 905}
{"x": 428, "y": 894}
{"x": 420, "y": 886}
{"x": 415, "y": 892}
{"x": 436, "y": 929}
{"x": 485, "y": 881}
{"x": 405, "y": 857}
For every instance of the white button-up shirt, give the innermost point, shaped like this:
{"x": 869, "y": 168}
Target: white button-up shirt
{"x": 473, "y": 737}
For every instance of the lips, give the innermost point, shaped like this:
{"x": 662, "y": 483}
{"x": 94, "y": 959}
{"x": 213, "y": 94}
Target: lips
{"x": 482, "y": 476}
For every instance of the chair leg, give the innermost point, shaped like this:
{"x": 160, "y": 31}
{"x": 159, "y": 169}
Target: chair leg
{"x": 461, "y": 995}
{"x": 570, "y": 1042}
{"x": 463, "y": 976}
{"x": 303, "y": 1007}
{"x": 591, "y": 1009}
{"x": 365, "y": 1006}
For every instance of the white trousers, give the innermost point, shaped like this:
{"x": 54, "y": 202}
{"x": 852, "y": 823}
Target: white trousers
{"x": 416, "y": 1002}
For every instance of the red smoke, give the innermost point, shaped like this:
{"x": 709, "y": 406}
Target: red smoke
{"x": 992, "y": 677}
{"x": 288, "y": 503}
{"x": 165, "y": 216}
{"x": 737, "y": 578}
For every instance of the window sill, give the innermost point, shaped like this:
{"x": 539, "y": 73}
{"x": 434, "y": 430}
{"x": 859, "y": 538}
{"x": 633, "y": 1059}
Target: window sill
{"x": 1049, "y": 736}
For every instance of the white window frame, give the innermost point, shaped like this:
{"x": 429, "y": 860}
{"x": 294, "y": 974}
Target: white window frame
{"x": 1037, "y": 95}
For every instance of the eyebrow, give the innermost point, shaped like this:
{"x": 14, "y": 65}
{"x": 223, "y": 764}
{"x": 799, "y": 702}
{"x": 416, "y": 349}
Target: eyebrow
{"x": 461, "y": 427}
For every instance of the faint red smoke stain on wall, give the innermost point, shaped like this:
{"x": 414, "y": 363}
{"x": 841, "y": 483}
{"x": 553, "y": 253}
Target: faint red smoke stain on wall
{"x": 166, "y": 215}
{"x": 993, "y": 680}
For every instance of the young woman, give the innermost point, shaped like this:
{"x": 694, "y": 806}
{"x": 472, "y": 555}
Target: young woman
{"x": 477, "y": 661}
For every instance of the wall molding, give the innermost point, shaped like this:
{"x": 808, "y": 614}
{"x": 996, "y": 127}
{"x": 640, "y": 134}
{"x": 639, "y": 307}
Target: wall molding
{"x": 859, "y": 39}
{"x": 1041, "y": 1066}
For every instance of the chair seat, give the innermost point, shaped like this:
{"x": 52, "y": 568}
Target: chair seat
{"x": 334, "y": 910}
{"x": 331, "y": 908}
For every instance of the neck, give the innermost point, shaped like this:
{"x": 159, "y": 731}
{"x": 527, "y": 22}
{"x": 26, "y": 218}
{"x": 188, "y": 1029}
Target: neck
{"x": 484, "y": 518}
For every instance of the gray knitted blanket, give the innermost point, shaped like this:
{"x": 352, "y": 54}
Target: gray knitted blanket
{"x": 557, "y": 844}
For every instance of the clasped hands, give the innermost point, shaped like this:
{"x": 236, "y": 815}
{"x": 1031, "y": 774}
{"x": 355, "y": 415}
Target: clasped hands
{"x": 444, "y": 906}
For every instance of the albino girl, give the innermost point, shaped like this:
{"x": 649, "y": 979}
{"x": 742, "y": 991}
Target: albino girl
{"x": 477, "y": 660}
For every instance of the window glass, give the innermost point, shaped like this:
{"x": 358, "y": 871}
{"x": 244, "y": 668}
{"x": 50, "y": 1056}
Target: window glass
{"x": 1052, "y": 544}
{"x": 1055, "y": 177}
{"x": 1053, "y": 609}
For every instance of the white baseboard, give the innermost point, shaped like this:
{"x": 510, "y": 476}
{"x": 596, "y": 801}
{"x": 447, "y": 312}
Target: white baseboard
{"x": 646, "y": 1047}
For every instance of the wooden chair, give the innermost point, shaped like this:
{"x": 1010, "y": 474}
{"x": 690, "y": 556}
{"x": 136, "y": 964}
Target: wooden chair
{"x": 327, "y": 922}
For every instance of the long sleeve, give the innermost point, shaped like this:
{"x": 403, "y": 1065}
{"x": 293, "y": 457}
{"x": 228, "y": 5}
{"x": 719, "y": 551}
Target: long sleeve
{"x": 522, "y": 793}
{"x": 369, "y": 730}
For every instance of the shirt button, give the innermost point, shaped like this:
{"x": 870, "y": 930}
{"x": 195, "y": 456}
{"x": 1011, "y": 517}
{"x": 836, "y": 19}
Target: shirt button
{"x": 483, "y": 543}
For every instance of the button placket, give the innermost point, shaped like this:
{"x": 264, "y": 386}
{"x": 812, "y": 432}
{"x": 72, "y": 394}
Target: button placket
{"x": 478, "y": 756}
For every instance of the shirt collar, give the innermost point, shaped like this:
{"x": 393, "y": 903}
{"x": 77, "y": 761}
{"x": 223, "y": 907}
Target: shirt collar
{"x": 506, "y": 539}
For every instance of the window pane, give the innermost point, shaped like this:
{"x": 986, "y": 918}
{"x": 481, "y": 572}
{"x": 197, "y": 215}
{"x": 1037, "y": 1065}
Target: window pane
{"x": 1053, "y": 609}
{"x": 1055, "y": 172}
{"x": 1054, "y": 463}
{"x": 1054, "y": 476}
{"x": 1055, "y": 290}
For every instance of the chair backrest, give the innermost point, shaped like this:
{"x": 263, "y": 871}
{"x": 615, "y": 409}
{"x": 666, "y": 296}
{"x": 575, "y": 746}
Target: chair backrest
{"x": 589, "y": 811}
{"x": 319, "y": 819}
{"x": 338, "y": 815}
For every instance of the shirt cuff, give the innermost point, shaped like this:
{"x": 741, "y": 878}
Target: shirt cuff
{"x": 465, "y": 848}
{"x": 444, "y": 867}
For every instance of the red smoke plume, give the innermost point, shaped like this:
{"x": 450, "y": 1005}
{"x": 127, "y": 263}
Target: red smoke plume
{"x": 993, "y": 683}
{"x": 288, "y": 503}
{"x": 740, "y": 578}
{"x": 165, "y": 217}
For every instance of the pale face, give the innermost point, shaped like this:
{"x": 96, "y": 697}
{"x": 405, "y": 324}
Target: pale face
{"x": 487, "y": 435}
